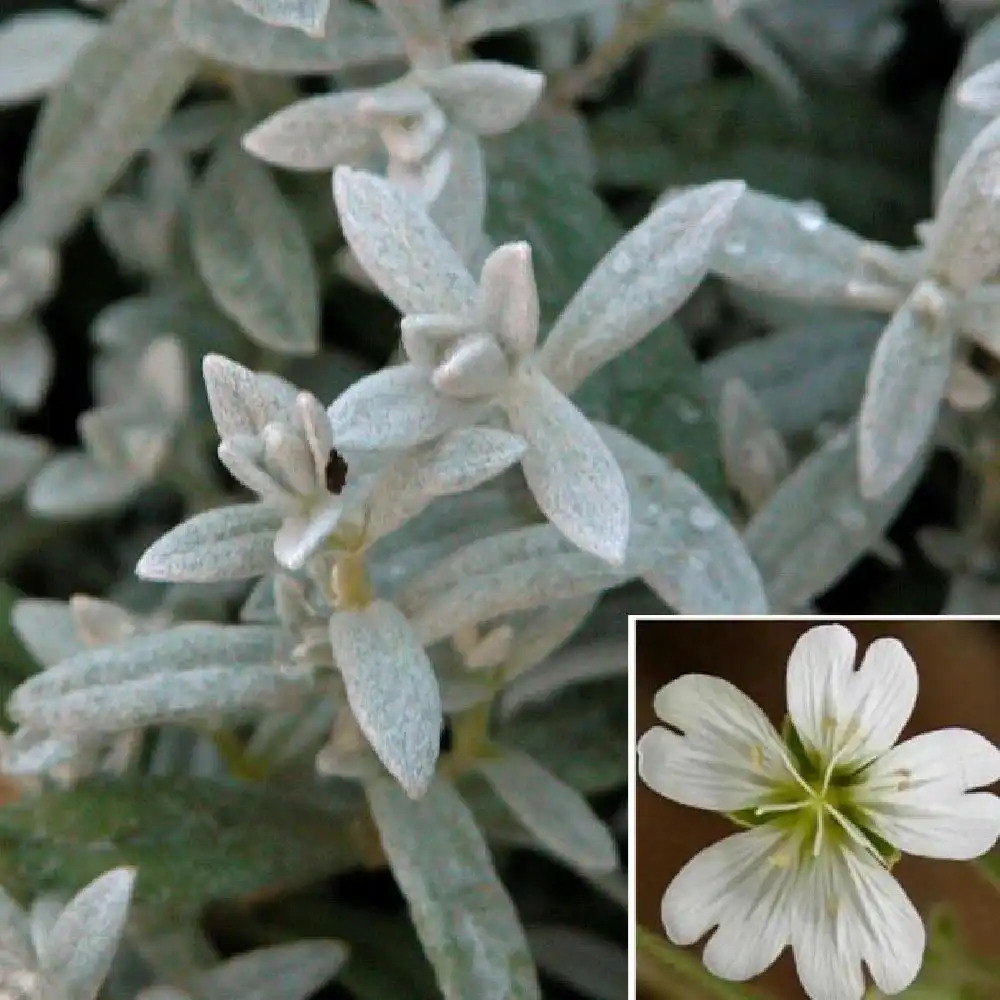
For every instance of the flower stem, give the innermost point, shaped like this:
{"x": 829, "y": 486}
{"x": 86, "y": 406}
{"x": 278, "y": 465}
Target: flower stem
{"x": 666, "y": 971}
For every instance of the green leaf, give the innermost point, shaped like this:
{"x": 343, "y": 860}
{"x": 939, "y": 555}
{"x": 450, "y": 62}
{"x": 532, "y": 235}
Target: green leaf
{"x": 116, "y": 96}
{"x": 461, "y": 911}
{"x": 254, "y": 256}
{"x": 192, "y": 840}
{"x": 654, "y": 390}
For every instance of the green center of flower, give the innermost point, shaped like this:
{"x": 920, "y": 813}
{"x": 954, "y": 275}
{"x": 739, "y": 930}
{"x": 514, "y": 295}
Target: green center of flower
{"x": 819, "y": 805}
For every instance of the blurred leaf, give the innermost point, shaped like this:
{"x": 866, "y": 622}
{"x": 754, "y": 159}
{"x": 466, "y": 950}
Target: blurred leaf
{"x": 192, "y": 840}
{"x": 461, "y": 911}
{"x": 117, "y": 94}
{"x": 737, "y": 128}
{"x": 580, "y": 735}
{"x": 654, "y": 391}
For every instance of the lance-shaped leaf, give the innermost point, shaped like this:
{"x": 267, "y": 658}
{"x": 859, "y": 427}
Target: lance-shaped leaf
{"x": 589, "y": 963}
{"x": 462, "y": 914}
{"x": 557, "y": 815}
{"x": 788, "y": 249}
{"x": 964, "y": 248}
{"x": 243, "y": 401}
{"x": 37, "y": 50}
{"x": 640, "y": 282}
{"x": 396, "y": 407}
{"x": 283, "y": 972}
{"x": 485, "y": 97}
{"x": 185, "y": 647}
{"x": 399, "y": 246}
{"x": 488, "y": 554}
{"x": 392, "y": 690}
{"x": 218, "y": 29}
{"x": 306, "y": 15}
{"x": 683, "y": 545}
{"x": 906, "y": 383}
{"x": 572, "y": 475}
{"x": 317, "y": 133}
{"x": 77, "y": 952}
{"x": 199, "y": 693}
{"x": 254, "y": 255}
{"x": 73, "y": 486}
{"x": 228, "y": 543}
{"x": 817, "y": 524}
{"x": 47, "y": 628}
{"x": 120, "y": 90}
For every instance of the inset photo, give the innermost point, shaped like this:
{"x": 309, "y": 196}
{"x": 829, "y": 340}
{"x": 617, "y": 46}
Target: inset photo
{"x": 815, "y": 808}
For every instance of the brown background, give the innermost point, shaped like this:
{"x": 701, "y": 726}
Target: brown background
{"x": 959, "y": 665}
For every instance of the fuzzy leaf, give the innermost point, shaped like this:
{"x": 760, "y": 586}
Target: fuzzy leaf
{"x": 218, "y": 29}
{"x": 72, "y": 486}
{"x": 653, "y": 391}
{"x": 316, "y": 133}
{"x": 788, "y": 249}
{"x": 191, "y": 840}
{"x": 392, "y": 690}
{"x": 399, "y": 246}
{"x": 396, "y": 407}
{"x": 119, "y": 92}
{"x": 227, "y": 543}
{"x": 38, "y": 49}
{"x": 282, "y": 972}
{"x": 485, "y": 97}
{"x": 199, "y": 693}
{"x": 463, "y": 915}
{"x": 906, "y": 383}
{"x": 243, "y": 401}
{"x": 25, "y": 363}
{"x": 254, "y": 255}
{"x": 184, "y": 647}
{"x": 640, "y": 282}
{"x": 78, "y": 951}
{"x": 817, "y": 524}
{"x": 573, "y": 477}
{"x": 554, "y": 813}
{"x": 963, "y": 248}
{"x": 683, "y": 546}
{"x": 306, "y": 15}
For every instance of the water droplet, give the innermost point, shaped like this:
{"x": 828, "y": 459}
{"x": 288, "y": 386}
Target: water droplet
{"x": 852, "y": 518}
{"x": 652, "y": 511}
{"x": 735, "y": 246}
{"x": 810, "y": 216}
{"x": 621, "y": 263}
{"x": 703, "y": 518}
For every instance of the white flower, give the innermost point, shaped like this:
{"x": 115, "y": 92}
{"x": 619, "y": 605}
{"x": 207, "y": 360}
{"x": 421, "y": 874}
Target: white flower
{"x": 829, "y": 804}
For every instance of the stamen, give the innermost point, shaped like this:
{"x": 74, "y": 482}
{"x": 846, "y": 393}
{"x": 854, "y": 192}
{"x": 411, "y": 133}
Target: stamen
{"x": 781, "y": 807}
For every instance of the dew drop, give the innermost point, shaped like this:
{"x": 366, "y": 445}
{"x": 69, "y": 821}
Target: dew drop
{"x": 810, "y": 216}
{"x": 703, "y": 518}
{"x": 697, "y": 562}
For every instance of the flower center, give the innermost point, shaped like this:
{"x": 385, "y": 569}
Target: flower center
{"x": 816, "y": 803}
